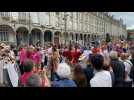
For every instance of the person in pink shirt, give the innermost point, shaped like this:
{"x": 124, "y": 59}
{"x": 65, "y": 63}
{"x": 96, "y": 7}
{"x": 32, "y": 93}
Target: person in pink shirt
{"x": 22, "y": 55}
{"x": 22, "y": 58}
{"x": 37, "y": 58}
{"x": 30, "y": 52}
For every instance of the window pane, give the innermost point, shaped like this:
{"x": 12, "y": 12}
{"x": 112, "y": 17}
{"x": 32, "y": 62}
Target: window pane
{"x": 6, "y": 36}
{"x": 0, "y": 35}
{"x": 3, "y": 36}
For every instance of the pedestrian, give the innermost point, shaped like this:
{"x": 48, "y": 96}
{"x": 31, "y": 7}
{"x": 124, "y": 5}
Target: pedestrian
{"x": 69, "y": 53}
{"x": 107, "y": 67}
{"x": 37, "y": 58}
{"x": 28, "y": 67}
{"x": 12, "y": 53}
{"x": 33, "y": 81}
{"x": 30, "y": 52}
{"x": 38, "y": 44}
{"x": 85, "y": 62}
{"x": 132, "y": 64}
{"x": 65, "y": 52}
{"x": 102, "y": 78}
{"x": 75, "y": 55}
{"x": 64, "y": 73}
{"x": 42, "y": 52}
{"x": 5, "y": 63}
{"x": 96, "y": 50}
{"x": 89, "y": 70}
{"x": 54, "y": 61}
{"x": 45, "y": 82}
{"x": 22, "y": 58}
{"x": 128, "y": 65}
{"x": 79, "y": 76}
{"x": 118, "y": 69}
{"x": 46, "y": 59}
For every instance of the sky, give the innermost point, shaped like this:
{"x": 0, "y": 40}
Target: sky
{"x": 128, "y": 18}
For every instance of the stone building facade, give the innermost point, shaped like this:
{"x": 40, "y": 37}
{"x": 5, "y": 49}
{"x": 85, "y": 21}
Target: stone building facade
{"x": 58, "y": 27}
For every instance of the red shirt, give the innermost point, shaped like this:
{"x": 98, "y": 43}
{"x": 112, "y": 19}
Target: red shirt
{"x": 69, "y": 55}
{"x": 65, "y": 53}
{"x": 75, "y": 55}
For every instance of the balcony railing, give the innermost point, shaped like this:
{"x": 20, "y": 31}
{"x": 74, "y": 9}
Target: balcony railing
{"x": 22, "y": 19}
{"x": 5, "y": 17}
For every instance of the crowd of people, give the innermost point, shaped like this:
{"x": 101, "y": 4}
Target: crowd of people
{"x": 95, "y": 65}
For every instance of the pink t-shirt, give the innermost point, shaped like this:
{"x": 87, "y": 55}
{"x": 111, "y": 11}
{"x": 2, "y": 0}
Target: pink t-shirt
{"x": 22, "y": 55}
{"x": 37, "y": 57}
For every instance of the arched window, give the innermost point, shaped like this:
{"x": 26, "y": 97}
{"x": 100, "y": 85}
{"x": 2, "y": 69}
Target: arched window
{"x": 36, "y": 35}
{"x": 47, "y": 36}
{"x": 22, "y": 35}
{"x": 7, "y": 33}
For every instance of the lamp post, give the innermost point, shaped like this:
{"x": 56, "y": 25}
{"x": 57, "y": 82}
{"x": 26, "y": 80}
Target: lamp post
{"x": 62, "y": 36}
{"x": 29, "y": 35}
{"x": 16, "y": 36}
{"x": 65, "y": 23}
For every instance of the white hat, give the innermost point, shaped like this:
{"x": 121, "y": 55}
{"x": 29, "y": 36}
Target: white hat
{"x": 63, "y": 70}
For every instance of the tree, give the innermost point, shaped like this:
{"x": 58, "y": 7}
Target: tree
{"x": 108, "y": 39}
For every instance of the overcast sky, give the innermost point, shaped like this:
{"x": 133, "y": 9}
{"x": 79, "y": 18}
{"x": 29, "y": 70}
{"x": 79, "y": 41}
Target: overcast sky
{"x": 128, "y": 18}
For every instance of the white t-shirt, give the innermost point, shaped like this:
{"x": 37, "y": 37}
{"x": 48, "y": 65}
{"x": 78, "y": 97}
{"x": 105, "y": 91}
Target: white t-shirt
{"x": 128, "y": 66}
{"x": 42, "y": 55}
{"x": 101, "y": 79}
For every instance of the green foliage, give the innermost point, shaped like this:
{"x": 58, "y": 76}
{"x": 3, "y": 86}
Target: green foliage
{"x": 108, "y": 39}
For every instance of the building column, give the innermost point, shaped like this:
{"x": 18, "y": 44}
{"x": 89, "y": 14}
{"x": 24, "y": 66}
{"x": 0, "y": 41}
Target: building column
{"x": 43, "y": 38}
{"x": 53, "y": 34}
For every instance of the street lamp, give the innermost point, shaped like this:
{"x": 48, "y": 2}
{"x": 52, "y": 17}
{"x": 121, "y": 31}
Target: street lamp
{"x": 29, "y": 23}
{"x": 65, "y": 23}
